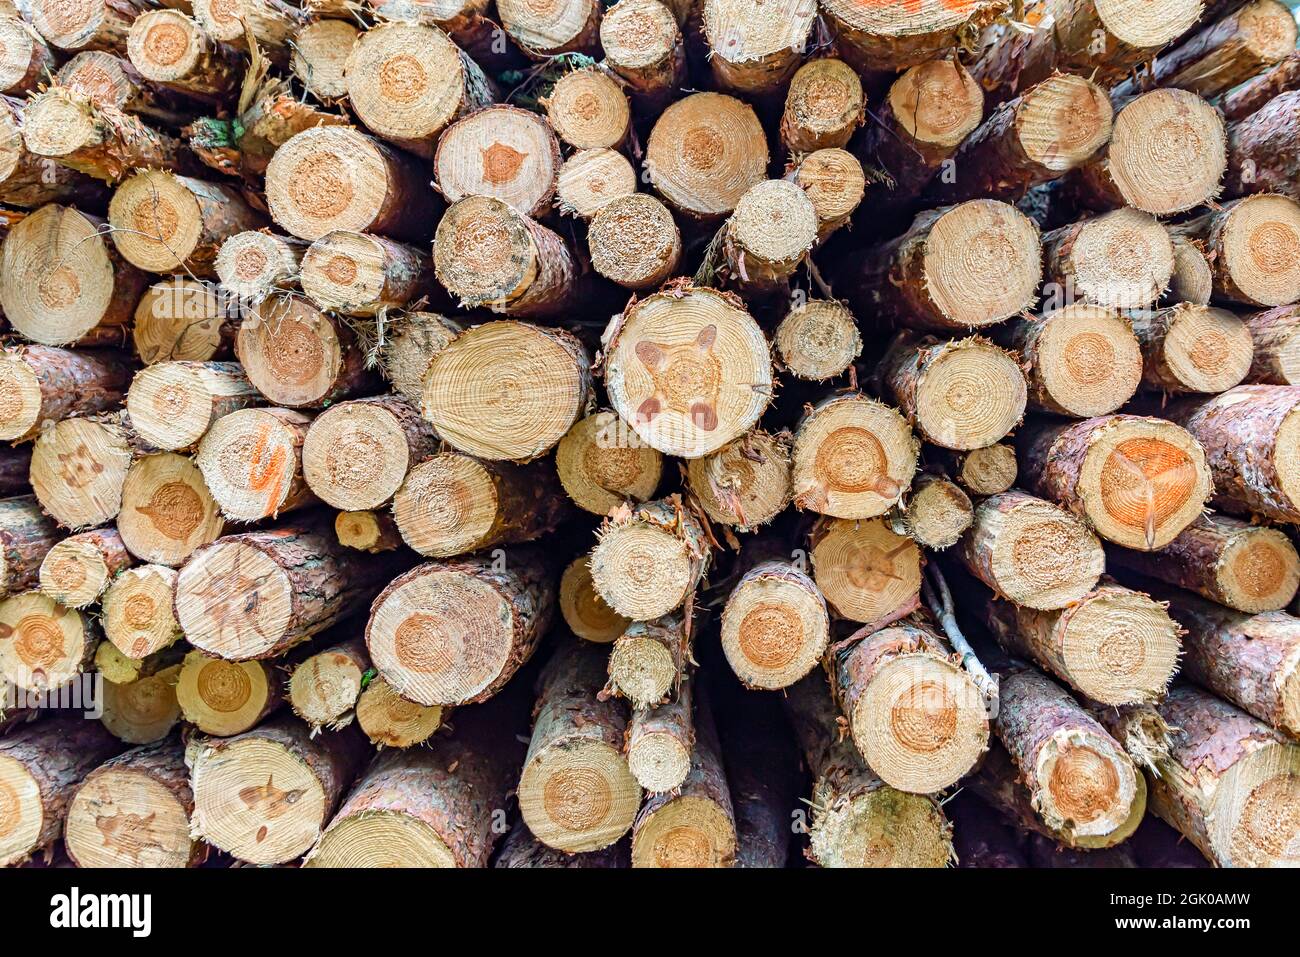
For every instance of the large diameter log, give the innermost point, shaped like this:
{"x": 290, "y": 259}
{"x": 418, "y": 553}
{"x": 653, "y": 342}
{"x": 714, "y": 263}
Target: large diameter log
{"x": 1191, "y": 348}
{"x": 917, "y": 718}
{"x": 360, "y": 275}
{"x": 649, "y": 559}
{"x": 1253, "y": 247}
{"x": 755, "y": 47}
{"x": 391, "y": 721}
{"x": 1253, "y": 94}
{"x": 95, "y": 25}
{"x": 256, "y": 595}
{"x": 167, "y": 509}
{"x": 1137, "y": 481}
{"x": 100, "y": 141}
{"x": 648, "y": 661}
{"x": 252, "y": 463}
{"x": 866, "y": 571}
{"x": 824, "y": 105}
{"x": 704, "y": 152}
{"x": 173, "y": 404}
{"x": 324, "y": 688}
{"x": 79, "y": 467}
{"x": 745, "y": 484}
{"x": 688, "y": 368}
{"x": 41, "y": 766}
{"x": 1122, "y": 259}
{"x": 272, "y": 23}
{"x": 226, "y": 698}
{"x": 890, "y": 36}
{"x": 1277, "y": 346}
{"x": 134, "y": 811}
{"x": 1259, "y": 158}
{"x": 576, "y": 792}
{"x": 818, "y": 340}
{"x": 26, "y": 61}
{"x": 643, "y": 45}
{"x": 588, "y": 109}
{"x": 28, "y": 180}
{"x": 955, "y": 269}
{"x": 857, "y": 819}
{"x": 454, "y": 632}
{"x": 591, "y": 178}
{"x": 540, "y": 384}
{"x": 504, "y": 152}
{"x": 42, "y": 385}
{"x": 660, "y": 742}
{"x": 357, "y": 454}
{"x": 634, "y": 241}
{"x": 173, "y": 50}
{"x": 265, "y": 796}
{"x": 601, "y": 464}
{"x": 298, "y": 356}
{"x": 411, "y": 341}
{"x": 137, "y": 611}
{"x": 76, "y": 571}
{"x": 26, "y": 537}
{"x": 450, "y": 504}
{"x": 334, "y": 177}
{"x": 142, "y": 711}
{"x": 62, "y": 282}
{"x": 1031, "y": 552}
{"x": 1114, "y": 645}
{"x": 1081, "y": 782}
{"x": 585, "y": 612}
{"x": 1229, "y": 784}
{"x": 938, "y": 512}
{"x": 186, "y": 320}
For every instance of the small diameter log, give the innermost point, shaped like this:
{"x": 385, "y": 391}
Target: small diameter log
{"x": 688, "y": 368}
{"x": 226, "y": 698}
{"x": 895, "y": 36}
{"x": 62, "y": 281}
{"x": 173, "y": 50}
{"x": 986, "y": 471}
{"x": 635, "y": 242}
{"x": 824, "y": 105}
{"x": 649, "y": 559}
{"x": 660, "y": 742}
{"x": 1114, "y": 645}
{"x": 100, "y": 141}
{"x": 1259, "y": 157}
{"x": 26, "y": 537}
{"x": 1123, "y": 259}
{"x": 44, "y": 645}
{"x": 584, "y": 611}
{"x": 962, "y": 394}
{"x": 643, "y": 45}
{"x": 454, "y": 632}
{"x": 42, "y": 385}
{"x": 1276, "y": 336}
{"x": 137, "y": 611}
{"x": 314, "y": 185}
{"x": 110, "y": 80}
{"x": 522, "y": 269}
{"x": 591, "y": 178}
{"x": 134, "y": 811}
{"x": 1253, "y": 248}
{"x": 368, "y": 531}
{"x": 648, "y": 661}
{"x": 79, "y": 467}
{"x": 1251, "y": 96}
{"x": 1137, "y": 481}
{"x": 114, "y": 666}
{"x": 256, "y": 595}
{"x": 1081, "y": 359}
{"x": 1252, "y": 568}
{"x": 521, "y": 849}
{"x": 1193, "y": 280}
{"x": 162, "y": 222}
{"x": 770, "y": 232}
{"x": 360, "y": 275}
{"x": 539, "y": 386}
{"x": 917, "y": 718}
{"x": 25, "y": 59}
{"x": 1050, "y": 129}
{"x": 76, "y": 571}
{"x": 143, "y": 711}
{"x": 184, "y": 319}
{"x": 273, "y": 23}
{"x": 1228, "y": 51}
{"x": 546, "y": 28}
{"x": 857, "y": 819}
{"x": 1081, "y": 783}
{"x": 704, "y": 152}
{"x": 1229, "y": 784}
{"x": 167, "y": 509}
{"x": 775, "y": 626}
{"x": 450, "y": 504}
{"x": 954, "y": 269}
{"x": 504, "y": 152}
{"x": 1191, "y": 348}
{"x": 252, "y": 463}
{"x": 320, "y": 52}
{"x": 411, "y": 340}
{"x": 95, "y": 25}
{"x": 15, "y": 467}
{"x": 927, "y": 114}
{"x": 1248, "y": 437}
{"x": 588, "y": 109}
{"x": 754, "y": 48}
{"x": 818, "y": 340}
{"x": 173, "y": 404}
{"x": 576, "y": 792}
{"x": 1167, "y": 154}
{"x": 356, "y": 454}
{"x": 41, "y": 766}
{"x": 1032, "y": 552}
{"x": 28, "y": 180}
{"x": 866, "y": 572}
{"x": 265, "y": 796}
{"x": 938, "y": 512}
{"x": 602, "y": 464}
{"x": 835, "y": 183}
{"x": 746, "y": 483}
{"x": 390, "y": 721}
{"x": 298, "y": 356}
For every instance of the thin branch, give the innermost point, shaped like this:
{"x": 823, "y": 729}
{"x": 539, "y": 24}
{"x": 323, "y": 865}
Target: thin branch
{"x": 942, "y": 607}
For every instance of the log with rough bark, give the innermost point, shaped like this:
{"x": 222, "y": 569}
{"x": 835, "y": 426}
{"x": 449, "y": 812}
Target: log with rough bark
{"x": 857, "y": 819}
{"x": 226, "y": 698}
{"x": 368, "y": 531}
{"x": 588, "y": 109}
{"x": 1252, "y": 95}
{"x": 100, "y": 141}
{"x": 252, "y": 463}
{"x": 94, "y": 25}
{"x": 172, "y": 49}
{"x": 1251, "y": 245}
{"x": 867, "y": 572}
{"x": 257, "y": 594}
{"x": 775, "y": 625}
{"x": 634, "y": 241}
{"x": 546, "y": 28}
{"x": 266, "y": 795}
{"x": 1260, "y": 157}
{"x": 41, "y": 766}
{"x": 360, "y": 275}
{"x": 1277, "y": 348}
{"x": 648, "y": 662}
{"x": 110, "y": 80}
{"x": 272, "y": 23}
{"x": 25, "y": 59}
{"x": 455, "y": 632}
{"x": 755, "y": 48}
{"x": 134, "y": 811}
{"x": 1122, "y": 259}
{"x": 892, "y": 36}
{"x": 253, "y": 265}
{"x": 1031, "y": 552}
{"x": 28, "y": 180}
{"x": 43, "y": 385}
{"x": 503, "y": 152}
{"x": 391, "y": 721}
{"x": 643, "y": 45}
{"x": 1229, "y": 783}
{"x": 766, "y": 238}
{"x": 1138, "y": 481}
{"x": 173, "y": 404}
{"x": 584, "y": 611}
{"x": 576, "y": 792}
{"x": 167, "y": 509}
{"x": 411, "y": 340}
{"x": 602, "y": 464}
{"x": 137, "y": 614}
{"x": 938, "y": 512}
{"x": 26, "y": 537}
{"x": 319, "y": 57}
{"x": 1191, "y": 348}
{"x": 818, "y": 340}
{"x": 591, "y": 178}
{"x": 660, "y": 742}
{"x": 79, "y": 467}
{"x": 143, "y": 711}
{"x": 76, "y": 571}
{"x": 824, "y": 106}
{"x": 745, "y": 484}
{"x": 186, "y": 320}
{"x": 650, "y": 558}
{"x": 704, "y": 152}
{"x": 955, "y": 269}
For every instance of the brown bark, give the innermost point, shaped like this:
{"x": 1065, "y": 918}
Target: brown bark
{"x": 644, "y": 46}
{"x": 894, "y": 36}
{"x": 1277, "y": 349}
{"x": 15, "y": 463}
{"x": 1255, "y": 93}
{"x": 51, "y": 384}
{"x": 521, "y": 849}
{"x": 173, "y": 50}
{"x": 1261, "y": 157}
{"x": 27, "y": 60}
{"x": 28, "y": 180}
{"x": 26, "y": 535}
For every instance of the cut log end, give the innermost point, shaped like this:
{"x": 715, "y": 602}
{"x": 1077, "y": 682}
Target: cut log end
{"x": 882, "y": 827}
{"x": 823, "y": 106}
{"x": 1259, "y": 246}
{"x": 989, "y": 470}
{"x": 182, "y": 319}
{"x": 1086, "y": 360}
{"x": 646, "y": 563}
{"x": 1168, "y": 152}
{"x": 550, "y": 27}
{"x": 589, "y": 179}
{"x": 704, "y": 152}
{"x": 360, "y": 275}
{"x": 775, "y": 626}
{"x": 172, "y": 404}
{"x": 251, "y": 463}
{"x": 645, "y": 662}
{"x": 46, "y": 645}
{"x": 1117, "y": 646}
{"x": 970, "y": 394}
{"x": 1063, "y": 121}
{"x": 634, "y": 241}
{"x": 688, "y": 831}
{"x": 320, "y": 50}
{"x": 1259, "y": 571}
{"x": 818, "y": 340}
{"x": 502, "y": 152}
{"x": 937, "y": 103}
{"x": 1122, "y": 259}
{"x": 76, "y": 571}
{"x": 746, "y": 483}
{"x": 1196, "y": 349}
{"x": 323, "y": 689}
{"x": 78, "y": 470}
{"x": 254, "y": 264}
{"x": 447, "y": 505}
{"x": 579, "y": 798}
{"x": 18, "y": 50}
{"x": 391, "y": 721}
{"x": 213, "y": 619}
{"x": 660, "y": 761}
{"x": 1192, "y": 280}
{"x": 367, "y": 531}
{"x": 128, "y": 814}
{"x": 982, "y": 263}
{"x": 835, "y": 183}
{"x": 224, "y": 698}
{"x": 1088, "y": 785}
{"x": 773, "y": 226}
{"x": 589, "y": 110}
{"x": 166, "y": 45}
{"x": 411, "y": 343}
{"x": 486, "y": 253}
{"x": 145, "y": 710}
{"x": 356, "y": 454}
{"x": 865, "y": 570}
{"x": 137, "y": 610}
{"x": 296, "y": 355}
{"x": 585, "y": 612}
{"x": 167, "y": 509}
{"x": 938, "y": 512}
{"x": 602, "y": 463}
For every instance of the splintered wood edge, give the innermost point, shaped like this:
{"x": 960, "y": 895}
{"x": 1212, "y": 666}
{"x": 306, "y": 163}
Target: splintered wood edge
{"x": 1043, "y": 557}
{"x": 641, "y": 571}
{"x": 1119, "y": 647}
{"x": 325, "y": 687}
{"x": 1086, "y": 785}
{"x": 746, "y": 483}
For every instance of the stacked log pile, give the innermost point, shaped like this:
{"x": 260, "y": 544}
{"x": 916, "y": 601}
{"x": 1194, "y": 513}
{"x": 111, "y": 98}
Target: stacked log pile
{"x": 650, "y": 434}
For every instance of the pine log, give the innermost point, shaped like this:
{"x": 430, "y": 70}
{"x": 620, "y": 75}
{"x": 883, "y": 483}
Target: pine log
{"x": 42, "y": 385}
{"x": 320, "y": 53}
{"x": 601, "y": 464}
{"x": 704, "y": 152}
{"x": 1190, "y": 348}
{"x": 46, "y": 647}
{"x": 391, "y": 721}
{"x": 746, "y": 483}
{"x": 143, "y": 711}
{"x": 99, "y": 141}
{"x": 94, "y": 25}
{"x": 546, "y": 29}
{"x": 26, "y": 537}
{"x": 137, "y": 611}
{"x": 775, "y": 626}
{"x": 634, "y": 242}
{"x": 643, "y": 46}
{"x": 184, "y": 319}
{"x": 226, "y": 698}
{"x": 411, "y": 340}
{"x": 835, "y": 184}
{"x": 824, "y": 105}
{"x": 272, "y": 23}
{"x": 1251, "y": 96}
{"x": 938, "y": 512}
{"x": 591, "y": 178}
{"x": 866, "y": 571}
{"x": 1260, "y": 159}
{"x": 1277, "y": 348}
{"x": 172, "y": 49}
{"x": 1193, "y": 280}
{"x": 754, "y": 47}
{"x": 1122, "y": 259}
{"x": 769, "y": 234}
{"x": 647, "y": 663}
{"x": 79, "y": 467}
{"x": 360, "y": 275}
{"x": 1253, "y": 248}
{"x": 649, "y": 558}
{"x": 25, "y": 59}
{"x": 588, "y": 109}
{"x": 585, "y": 612}
{"x": 167, "y": 509}
{"x": 173, "y": 404}
{"x": 892, "y": 36}
{"x": 661, "y": 742}
{"x": 277, "y": 114}
{"x": 818, "y": 340}
{"x": 28, "y": 180}
{"x": 76, "y": 571}
{"x": 252, "y": 463}
{"x": 368, "y": 531}
{"x": 503, "y": 152}
{"x": 985, "y": 471}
